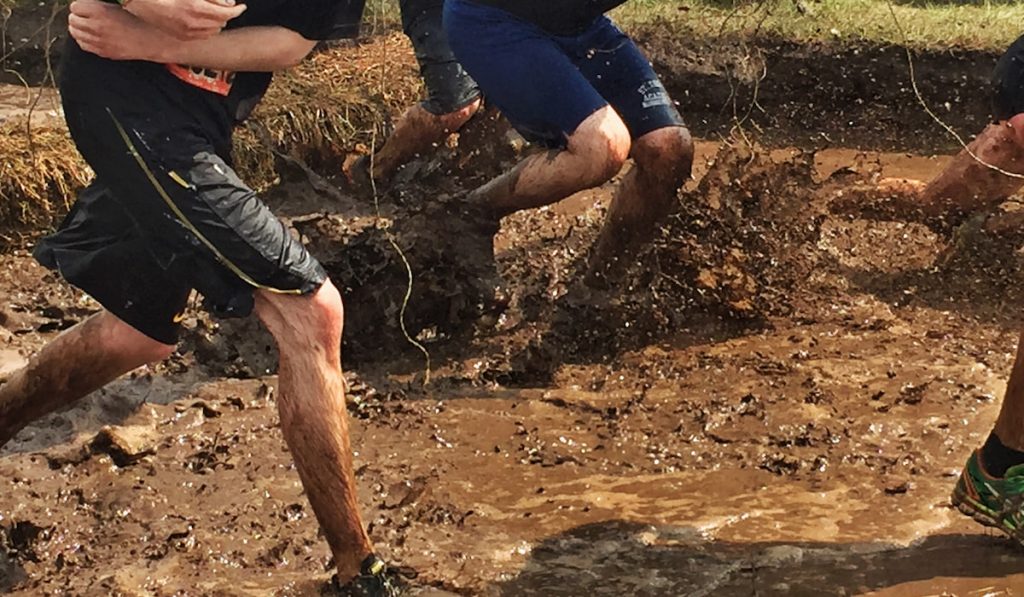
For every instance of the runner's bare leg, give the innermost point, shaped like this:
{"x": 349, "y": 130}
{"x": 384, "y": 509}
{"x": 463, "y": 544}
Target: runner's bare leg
{"x": 314, "y": 421}
{"x": 78, "y": 362}
{"x": 967, "y": 184}
{"x": 594, "y": 154}
{"x": 416, "y": 133}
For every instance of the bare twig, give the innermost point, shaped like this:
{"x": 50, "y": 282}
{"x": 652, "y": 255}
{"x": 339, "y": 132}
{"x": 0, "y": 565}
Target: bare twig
{"x": 390, "y": 237}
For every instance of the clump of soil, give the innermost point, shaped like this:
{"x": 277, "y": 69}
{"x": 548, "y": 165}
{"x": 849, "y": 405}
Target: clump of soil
{"x": 431, "y": 265}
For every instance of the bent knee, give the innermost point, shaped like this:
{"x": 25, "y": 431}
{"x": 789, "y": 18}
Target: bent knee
{"x": 125, "y": 339}
{"x": 300, "y": 321}
{"x": 328, "y": 308}
{"x": 603, "y": 144}
{"x": 668, "y": 149}
{"x": 1017, "y": 124}
{"x": 320, "y": 317}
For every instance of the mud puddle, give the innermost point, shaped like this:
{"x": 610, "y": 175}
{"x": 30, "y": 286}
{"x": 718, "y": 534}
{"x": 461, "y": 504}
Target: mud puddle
{"x": 670, "y": 440}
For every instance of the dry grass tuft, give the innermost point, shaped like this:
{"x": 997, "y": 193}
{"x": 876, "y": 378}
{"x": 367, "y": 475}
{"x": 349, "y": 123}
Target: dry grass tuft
{"x": 337, "y": 102}
{"x": 40, "y": 174}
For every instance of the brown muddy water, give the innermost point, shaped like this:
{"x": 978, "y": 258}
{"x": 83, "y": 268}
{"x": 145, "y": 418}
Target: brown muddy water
{"x": 780, "y": 408}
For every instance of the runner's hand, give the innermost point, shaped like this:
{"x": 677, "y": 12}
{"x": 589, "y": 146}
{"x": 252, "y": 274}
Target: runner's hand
{"x": 109, "y": 31}
{"x": 186, "y": 19}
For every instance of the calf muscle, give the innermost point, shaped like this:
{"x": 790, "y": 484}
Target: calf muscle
{"x": 78, "y": 362}
{"x": 314, "y": 422}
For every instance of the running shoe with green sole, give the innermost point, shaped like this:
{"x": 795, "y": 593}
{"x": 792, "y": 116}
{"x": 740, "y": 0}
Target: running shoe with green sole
{"x": 993, "y": 502}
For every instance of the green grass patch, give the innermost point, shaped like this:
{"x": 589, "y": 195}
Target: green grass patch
{"x": 923, "y": 24}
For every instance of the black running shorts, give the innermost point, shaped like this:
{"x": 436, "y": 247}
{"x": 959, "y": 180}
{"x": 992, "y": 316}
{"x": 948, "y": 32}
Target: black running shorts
{"x": 449, "y": 86}
{"x": 1008, "y": 83}
{"x": 165, "y": 215}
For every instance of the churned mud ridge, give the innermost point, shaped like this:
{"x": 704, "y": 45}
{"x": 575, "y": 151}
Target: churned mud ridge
{"x": 450, "y": 257}
{"x": 734, "y": 250}
{"x": 815, "y": 94}
{"x": 752, "y": 242}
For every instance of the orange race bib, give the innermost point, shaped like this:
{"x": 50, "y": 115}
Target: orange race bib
{"x": 214, "y": 81}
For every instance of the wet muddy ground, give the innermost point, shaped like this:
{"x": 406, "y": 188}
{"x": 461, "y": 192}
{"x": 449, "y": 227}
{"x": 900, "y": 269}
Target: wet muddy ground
{"x": 785, "y": 416}
{"x": 776, "y": 401}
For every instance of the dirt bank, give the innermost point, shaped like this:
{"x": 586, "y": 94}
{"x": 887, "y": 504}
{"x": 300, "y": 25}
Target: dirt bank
{"x": 823, "y": 94}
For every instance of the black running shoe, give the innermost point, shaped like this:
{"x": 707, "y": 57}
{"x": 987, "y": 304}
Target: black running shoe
{"x": 375, "y": 580}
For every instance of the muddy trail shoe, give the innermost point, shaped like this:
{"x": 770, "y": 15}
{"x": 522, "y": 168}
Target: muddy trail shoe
{"x": 375, "y": 580}
{"x": 997, "y": 503}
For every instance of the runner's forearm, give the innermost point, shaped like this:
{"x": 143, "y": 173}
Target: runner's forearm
{"x": 185, "y": 19}
{"x": 248, "y": 49}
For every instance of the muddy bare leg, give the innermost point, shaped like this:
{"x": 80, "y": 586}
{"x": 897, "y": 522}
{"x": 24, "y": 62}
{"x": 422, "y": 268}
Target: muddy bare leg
{"x": 594, "y": 154}
{"x": 311, "y": 401}
{"x": 663, "y": 160}
{"x": 417, "y": 132}
{"x": 966, "y": 185}
{"x": 80, "y": 361}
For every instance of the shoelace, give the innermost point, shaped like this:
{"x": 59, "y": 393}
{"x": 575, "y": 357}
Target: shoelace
{"x": 1010, "y": 509}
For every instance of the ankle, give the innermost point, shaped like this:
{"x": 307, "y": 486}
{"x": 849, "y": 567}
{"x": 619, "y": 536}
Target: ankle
{"x": 351, "y": 564}
{"x": 997, "y": 457}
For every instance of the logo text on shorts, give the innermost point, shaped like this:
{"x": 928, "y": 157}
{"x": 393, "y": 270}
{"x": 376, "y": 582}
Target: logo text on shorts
{"x": 654, "y": 94}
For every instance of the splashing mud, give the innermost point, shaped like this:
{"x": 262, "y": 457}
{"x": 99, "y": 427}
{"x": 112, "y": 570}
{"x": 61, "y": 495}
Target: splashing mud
{"x": 775, "y": 402}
